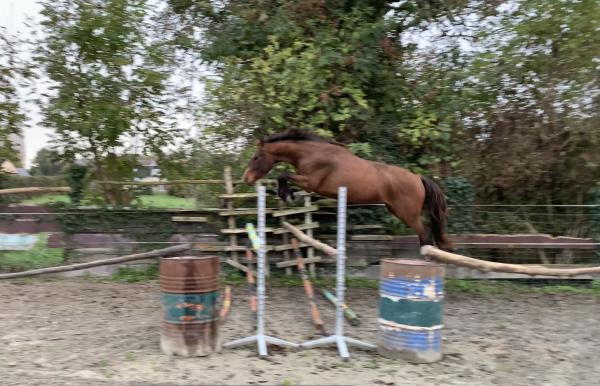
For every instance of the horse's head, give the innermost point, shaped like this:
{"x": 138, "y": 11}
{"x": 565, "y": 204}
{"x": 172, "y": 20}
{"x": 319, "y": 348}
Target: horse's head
{"x": 261, "y": 163}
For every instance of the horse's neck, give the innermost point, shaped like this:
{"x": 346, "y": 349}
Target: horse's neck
{"x": 287, "y": 151}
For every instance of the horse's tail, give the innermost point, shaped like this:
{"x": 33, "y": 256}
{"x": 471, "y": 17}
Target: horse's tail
{"x": 435, "y": 204}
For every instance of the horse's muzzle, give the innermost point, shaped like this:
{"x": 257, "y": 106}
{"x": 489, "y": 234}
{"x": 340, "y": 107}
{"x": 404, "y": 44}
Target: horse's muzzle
{"x": 248, "y": 177}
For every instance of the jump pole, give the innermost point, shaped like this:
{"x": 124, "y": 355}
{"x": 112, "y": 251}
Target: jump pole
{"x": 339, "y": 339}
{"x": 260, "y": 338}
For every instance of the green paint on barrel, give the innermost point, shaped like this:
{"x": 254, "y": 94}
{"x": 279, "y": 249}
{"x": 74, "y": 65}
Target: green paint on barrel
{"x": 190, "y": 308}
{"x": 410, "y": 312}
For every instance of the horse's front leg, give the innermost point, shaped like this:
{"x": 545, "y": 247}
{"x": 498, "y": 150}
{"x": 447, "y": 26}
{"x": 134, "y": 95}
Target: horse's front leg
{"x": 283, "y": 188}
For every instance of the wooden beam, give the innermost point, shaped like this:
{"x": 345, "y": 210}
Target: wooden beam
{"x": 224, "y": 248}
{"x": 189, "y": 219}
{"x": 241, "y": 212}
{"x": 278, "y": 231}
{"x": 287, "y": 247}
{"x": 241, "y": 230}
{"x": 487, "y": 266}
{"x": 239, "y": 266}
{"x": 239, "y": 195}
{"x": 309, "y": 240}
{"x": 291, "y": 211}
{"x": 371, "y": 238}
{"x": 39, "y": 190}
{"x": 291, "y": 263}
{"x": 97, "y": 263}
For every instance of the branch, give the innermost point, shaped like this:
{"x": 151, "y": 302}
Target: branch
{"x": 309, "y": 240}
{"x": 486, "y": 266}
{"x": 114, "y": 260}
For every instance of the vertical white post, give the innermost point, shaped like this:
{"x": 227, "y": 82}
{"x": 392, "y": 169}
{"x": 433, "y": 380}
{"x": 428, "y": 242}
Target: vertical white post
{"x": 339, "y": 339}
{"x": 260, "y": 268}
{"x": 260, "y": 338}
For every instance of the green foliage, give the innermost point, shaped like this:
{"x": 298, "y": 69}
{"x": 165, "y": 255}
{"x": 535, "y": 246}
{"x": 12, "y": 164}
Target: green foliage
{"x": 531, "y": 110}
{"x": 489, "y": 288}
{"x": 134, "y": 275}
{"x": 46, "y": 199}
{"x": 16, "y": 181}
{"x": 144, "y": 226}
{"x": 13, "y": 71}
{"x": 460, "y": 197}
{"x": 111, "y": 72}
{"x": 77, "y": 178}
{"x": 40, "y": 256}
{"x": 594, "y": 211}
{"x": 47, "y": 163}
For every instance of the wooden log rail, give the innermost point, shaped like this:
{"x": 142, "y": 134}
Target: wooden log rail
{"x": 36, "y": 190}
{"x": 452, "y": 258}
{"x": 309, "y": 240}
{"x": 487, "y": 266}
{"x": 114, "y": 260}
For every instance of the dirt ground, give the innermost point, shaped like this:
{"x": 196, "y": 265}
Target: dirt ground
{"x": 89, "y": 332}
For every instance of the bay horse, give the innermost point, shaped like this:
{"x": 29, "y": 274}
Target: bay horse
{"x": 322, "y": 165}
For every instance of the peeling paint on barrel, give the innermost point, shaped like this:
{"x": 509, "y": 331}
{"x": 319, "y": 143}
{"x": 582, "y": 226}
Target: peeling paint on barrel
{"x": 411, "y": 310}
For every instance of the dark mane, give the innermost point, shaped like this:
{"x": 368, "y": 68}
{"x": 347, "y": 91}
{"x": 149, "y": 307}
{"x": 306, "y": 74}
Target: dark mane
{"x": 299, "y": 135}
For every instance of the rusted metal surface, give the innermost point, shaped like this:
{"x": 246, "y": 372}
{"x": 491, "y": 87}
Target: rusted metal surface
{"x": 190, "y": 274}
{"x": 190, "y": 297}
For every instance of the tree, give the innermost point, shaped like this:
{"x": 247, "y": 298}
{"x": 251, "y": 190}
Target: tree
{"x": 12, "y": 120}
{"x": 535, "y": 106}
{"x": 110, "y": 74}
{"x": 47, "y": 162}
{"x": 336, "y": 67}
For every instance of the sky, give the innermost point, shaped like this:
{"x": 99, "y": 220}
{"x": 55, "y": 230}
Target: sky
{"x": 13, "y": 16}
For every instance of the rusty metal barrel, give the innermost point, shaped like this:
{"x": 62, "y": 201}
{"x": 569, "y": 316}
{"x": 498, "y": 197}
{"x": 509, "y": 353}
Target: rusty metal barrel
{"x": 411, "y": 300}
{"x": 190, "y": 299}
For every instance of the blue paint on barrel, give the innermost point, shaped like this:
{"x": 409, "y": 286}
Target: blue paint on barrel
{"x": 413, "y": 340}
{"x": 412, "y": 288}
{"x": 411, "y": 310}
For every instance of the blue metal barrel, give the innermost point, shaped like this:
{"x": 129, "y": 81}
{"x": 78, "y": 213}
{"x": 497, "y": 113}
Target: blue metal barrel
{"x": 411, "y": 300}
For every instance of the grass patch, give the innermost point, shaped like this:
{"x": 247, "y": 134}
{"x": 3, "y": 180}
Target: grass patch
{"x": 134, "y": 275}
{"x": 46, "y": 199}
{"x": 167, "y": 202}
{"x": 492, "y": 288}
{"x": 40, "y": 256}
{"x": 147, "y": 201}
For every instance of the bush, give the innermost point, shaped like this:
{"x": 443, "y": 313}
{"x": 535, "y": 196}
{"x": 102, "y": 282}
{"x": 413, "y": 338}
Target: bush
{"x": 9, "y": 181}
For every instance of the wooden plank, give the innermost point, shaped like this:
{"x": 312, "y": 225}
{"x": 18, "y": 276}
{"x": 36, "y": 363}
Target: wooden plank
{"x": 224, "y": 248}
{"x": 239, "y": 266}
{"x": 241, "y": 212}
{"x": 239, "y": 195}
{"x": 231, "y": 223}
{"x": 241, "y": 231}
{"x": 291, "y": 211}
{"x": 189, "y": 219}
{"x": 291, "y": 263}
{"x": 40, "y": 190}
{"x": 364, "y": 227}
{"x": 287, "y": 247}
{"x": 371, "y": 238}
{"x": 278, "y": 231}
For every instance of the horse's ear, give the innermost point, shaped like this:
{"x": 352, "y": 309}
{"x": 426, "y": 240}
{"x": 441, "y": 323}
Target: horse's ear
{"x": 260, "y": 142}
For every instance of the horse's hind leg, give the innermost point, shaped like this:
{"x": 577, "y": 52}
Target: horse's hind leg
{"x": 413, "y": 220}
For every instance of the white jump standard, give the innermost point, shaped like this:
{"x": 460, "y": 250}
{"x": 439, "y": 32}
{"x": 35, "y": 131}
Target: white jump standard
{"x": 339, "y": 339}
{"x": 260, "y": 338}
